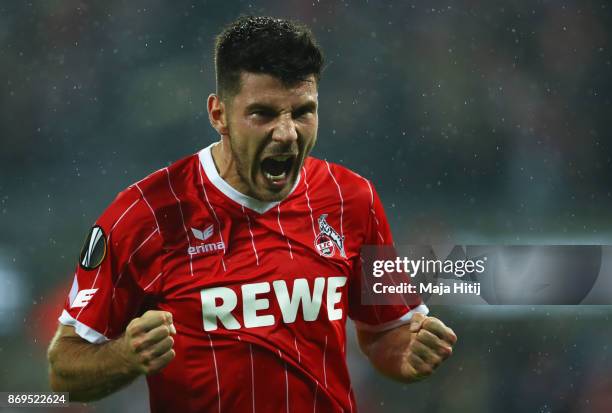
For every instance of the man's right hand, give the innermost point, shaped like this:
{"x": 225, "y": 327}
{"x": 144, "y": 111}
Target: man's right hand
{"x": 146, "y": 346}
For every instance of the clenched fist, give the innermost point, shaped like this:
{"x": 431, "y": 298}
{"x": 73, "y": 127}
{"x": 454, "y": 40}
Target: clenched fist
{"x": 430, "y": 344}
{"x": 146, "y": 346}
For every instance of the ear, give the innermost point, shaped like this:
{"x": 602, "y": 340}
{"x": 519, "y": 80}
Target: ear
{"x": 217, "y": 114}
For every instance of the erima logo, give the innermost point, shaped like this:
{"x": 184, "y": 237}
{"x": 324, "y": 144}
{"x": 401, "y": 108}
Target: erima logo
{"x": 328, "y": 239}
{"x": 206, "y": 248}
{"x": 205, "y": 234}
{"x": 82, "y": 298}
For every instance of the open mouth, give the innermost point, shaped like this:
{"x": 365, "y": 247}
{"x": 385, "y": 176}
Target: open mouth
{"x": 277, "y": 168}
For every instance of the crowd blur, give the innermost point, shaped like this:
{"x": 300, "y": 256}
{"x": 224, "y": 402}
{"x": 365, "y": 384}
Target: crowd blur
{"x": 478, "y": 122}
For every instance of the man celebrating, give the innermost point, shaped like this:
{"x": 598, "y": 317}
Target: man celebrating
{"x": 228, "y": 276}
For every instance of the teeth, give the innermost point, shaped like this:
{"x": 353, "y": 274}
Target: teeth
{"x": 275, "y": 177}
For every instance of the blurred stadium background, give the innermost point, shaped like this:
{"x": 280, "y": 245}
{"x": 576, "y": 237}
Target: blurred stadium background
{"x": 479, "y": 122}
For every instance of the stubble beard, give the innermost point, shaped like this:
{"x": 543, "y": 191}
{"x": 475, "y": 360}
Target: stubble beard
{"x": 250, "y": 185}
{"x": 240, "y": 169}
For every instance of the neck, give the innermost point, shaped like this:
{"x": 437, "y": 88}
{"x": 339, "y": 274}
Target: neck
{"x": 226, "y": 165}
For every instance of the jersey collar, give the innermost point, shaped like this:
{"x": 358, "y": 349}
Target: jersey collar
{"x": 246, "y": 201}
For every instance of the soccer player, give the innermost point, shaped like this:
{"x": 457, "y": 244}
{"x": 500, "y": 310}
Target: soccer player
{"x": 227, "y": 277}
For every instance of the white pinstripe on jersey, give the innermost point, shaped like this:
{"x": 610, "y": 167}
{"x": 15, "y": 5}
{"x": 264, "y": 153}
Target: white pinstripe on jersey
{"x": 130, "y": 258}
{"x": 325, "y": 362}
{"x": 154, "y": 279}
{"x": 149, "y": 205}
{"x": 314, "y": 405}
{"x": 283, "y": 232}
{"x": 214, "y": 215}
{"x": 252, "y": 377}
{"x": 216, "y": 372}
{"x": 382, "y": 239}
{"x": 314, "y": 233}
{"x": 121, "y": 217}
{"x": 251, "y": 232}
{"x": 297, "y": 349}
{"x": 286, "y": 387}
{"x": 341, "y": 200}
{"x": 182, "y": 218}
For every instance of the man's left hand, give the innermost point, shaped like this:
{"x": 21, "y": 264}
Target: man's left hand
{"x": 431, "y": 343}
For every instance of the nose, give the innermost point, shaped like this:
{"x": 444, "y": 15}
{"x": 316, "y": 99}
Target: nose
{"x": 285, "y": 131}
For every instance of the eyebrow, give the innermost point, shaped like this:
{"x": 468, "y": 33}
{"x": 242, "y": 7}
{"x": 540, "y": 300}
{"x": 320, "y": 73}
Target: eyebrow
{"x": 310, "y": 105}
{"x": 259, "y": 106}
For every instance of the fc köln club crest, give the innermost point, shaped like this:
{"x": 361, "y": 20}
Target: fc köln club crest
{"x": 328, "y": 239}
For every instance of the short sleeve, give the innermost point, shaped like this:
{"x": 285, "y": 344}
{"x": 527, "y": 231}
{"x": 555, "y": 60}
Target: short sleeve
{"x": 378, "y": 317}
{"x": 117, "y": 269}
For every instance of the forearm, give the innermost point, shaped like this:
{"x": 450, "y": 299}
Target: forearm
{"x": 87, "y": 371}
{"x": 388, "y": 352}
{"x": 409, "y": 352}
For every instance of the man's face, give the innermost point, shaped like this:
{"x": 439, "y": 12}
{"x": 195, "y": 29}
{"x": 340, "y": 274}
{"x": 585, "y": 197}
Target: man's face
{"x": 272, "y": 128}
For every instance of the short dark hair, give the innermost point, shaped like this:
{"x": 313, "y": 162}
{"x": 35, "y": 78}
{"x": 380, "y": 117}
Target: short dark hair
{"x": 282, "y": 48}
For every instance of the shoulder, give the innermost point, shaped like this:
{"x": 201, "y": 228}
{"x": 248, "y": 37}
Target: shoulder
{"x": 338, "y": 178}
{"x": 139, "y": 203}
{"x": 162, "y": 179}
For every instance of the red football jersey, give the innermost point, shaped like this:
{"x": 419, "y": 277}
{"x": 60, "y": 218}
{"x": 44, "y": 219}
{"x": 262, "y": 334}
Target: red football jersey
{"x": 259, "y": 291}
